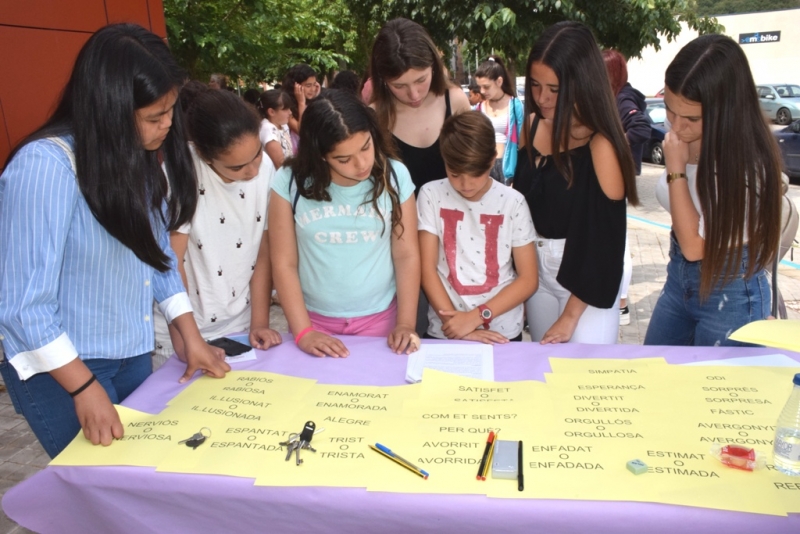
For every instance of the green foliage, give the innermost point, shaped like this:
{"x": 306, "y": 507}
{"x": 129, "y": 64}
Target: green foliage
{"x": 512, "y": 26}
{"x": 258, "y": 39}
{"x": 725, "y": 7}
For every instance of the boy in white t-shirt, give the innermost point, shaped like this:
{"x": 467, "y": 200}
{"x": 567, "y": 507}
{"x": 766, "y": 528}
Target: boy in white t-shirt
{"x": 476, "y": 241}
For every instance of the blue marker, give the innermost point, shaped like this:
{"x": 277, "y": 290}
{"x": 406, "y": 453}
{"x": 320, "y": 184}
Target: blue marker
{"x": 388, "y": 452}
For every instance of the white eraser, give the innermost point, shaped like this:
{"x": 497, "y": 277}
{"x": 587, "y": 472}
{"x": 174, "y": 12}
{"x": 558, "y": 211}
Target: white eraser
{"x": 504, "y": 461}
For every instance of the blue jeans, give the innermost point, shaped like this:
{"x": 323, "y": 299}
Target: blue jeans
{"x": 49, "y": 409}
{"x": 680, "y": 318}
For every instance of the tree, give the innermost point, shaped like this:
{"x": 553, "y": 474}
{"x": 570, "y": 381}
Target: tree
{"x": 258, "y": 39}
{"x": 512, "y": 26}
{"x": 724, "y": 7}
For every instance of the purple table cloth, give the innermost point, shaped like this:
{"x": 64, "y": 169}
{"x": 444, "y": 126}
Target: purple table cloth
{"x": 136, "y": 500}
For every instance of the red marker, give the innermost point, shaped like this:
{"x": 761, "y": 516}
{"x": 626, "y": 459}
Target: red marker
{"x": 485, "y": 455}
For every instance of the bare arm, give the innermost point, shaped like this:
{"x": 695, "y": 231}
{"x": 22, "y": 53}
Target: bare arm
{"x": 564, "y": 327}
{"x": 275, "y": 153}
{"x": 431, "y": 283}
{"x": 458, "y": 101}
{"x": 685, "y": 218}
{"x": 607, "y": 168}
{"x": 97, "y": 416}
{"x": 284, "y": 260}
{"x": 460, "y": 324}
{"x": 405, "y": 256}
{"x": 261, "y": 335}
{"x": 179, "y": 243}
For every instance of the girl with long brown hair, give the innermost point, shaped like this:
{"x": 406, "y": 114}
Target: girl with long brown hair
{"x": 722, "y": 187}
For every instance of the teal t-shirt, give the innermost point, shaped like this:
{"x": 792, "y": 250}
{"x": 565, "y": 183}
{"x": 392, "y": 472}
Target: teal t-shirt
{"x": 344, "y": 254}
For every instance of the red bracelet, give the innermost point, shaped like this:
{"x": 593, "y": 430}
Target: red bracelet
{"x": 303, "y": 332}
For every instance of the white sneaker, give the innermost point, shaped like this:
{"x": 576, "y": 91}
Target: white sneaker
{"x": 624, "y": 316}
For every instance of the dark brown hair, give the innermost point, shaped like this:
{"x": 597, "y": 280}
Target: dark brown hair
{"x": 493, "y": 68}
{"x": 467, "y": 143}
{"x": 584, "y": 92}
{"x": 739, "y": 171}
{"x": 402, "y": 45}
{"x": 329, "y": 119}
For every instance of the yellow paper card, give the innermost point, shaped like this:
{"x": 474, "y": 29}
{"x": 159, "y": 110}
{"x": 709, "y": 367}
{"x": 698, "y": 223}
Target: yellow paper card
{"x": 147, "y": 440}
{"x": 784, "y": 334}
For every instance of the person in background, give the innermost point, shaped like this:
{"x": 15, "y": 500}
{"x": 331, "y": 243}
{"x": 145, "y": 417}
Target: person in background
{"x": 347, "y": 80}
{"x": 475, "y": 96}
{"x": 223, "y": 252}
{"x": 506, "y": 113}
{"x": 413, "y": 98}
{"x": 275, "y": 109}
{"x": 300, "y": 83}
{"x": 722, "y": 187}
{"x": 251, "y": 96}
{"x": 476, "y": 241}
{"x": 632, "y": 109}
{"x": 86, "y": 205}
{"x": 344, "y": 224}
{"x": 218, "y": 81}
{"x": 576, "y": 173}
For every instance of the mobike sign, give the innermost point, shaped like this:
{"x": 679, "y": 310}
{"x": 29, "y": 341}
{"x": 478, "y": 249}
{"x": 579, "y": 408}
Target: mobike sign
{"x": 759, "y": 37}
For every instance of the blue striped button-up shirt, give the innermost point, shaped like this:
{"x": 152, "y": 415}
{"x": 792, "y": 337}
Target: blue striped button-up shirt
{"x": 67, "y": 287}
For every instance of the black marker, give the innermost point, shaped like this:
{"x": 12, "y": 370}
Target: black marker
{"x": 520, "y": 478}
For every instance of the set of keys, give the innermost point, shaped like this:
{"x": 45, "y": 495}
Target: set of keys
{"x": 300, "y": 441}
{"x": 197, "y": 439}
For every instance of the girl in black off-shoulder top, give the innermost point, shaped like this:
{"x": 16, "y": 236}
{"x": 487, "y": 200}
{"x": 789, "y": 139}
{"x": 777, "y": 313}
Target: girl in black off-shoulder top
{"x": 580, "y": 223}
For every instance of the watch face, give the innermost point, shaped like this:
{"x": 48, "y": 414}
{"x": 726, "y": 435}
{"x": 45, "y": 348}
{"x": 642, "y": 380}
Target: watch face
{"x": 486, "y": 314}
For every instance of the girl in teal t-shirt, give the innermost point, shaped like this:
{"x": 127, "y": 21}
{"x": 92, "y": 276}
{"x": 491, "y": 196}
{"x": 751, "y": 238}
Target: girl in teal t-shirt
{"x": 345, "y": 253}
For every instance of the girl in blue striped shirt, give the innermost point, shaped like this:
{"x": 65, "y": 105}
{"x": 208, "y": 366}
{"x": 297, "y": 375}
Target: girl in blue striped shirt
{"x": 85, "y": 211}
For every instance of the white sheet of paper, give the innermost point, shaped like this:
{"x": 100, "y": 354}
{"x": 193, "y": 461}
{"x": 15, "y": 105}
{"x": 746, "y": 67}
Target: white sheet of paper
{"x": 473, "y": 361}
{"x": 245, "y": 357}
{"x": 769, "y": 360}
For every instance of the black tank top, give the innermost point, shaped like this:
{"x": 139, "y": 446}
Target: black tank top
{"x": 592, "y": 224}
{"x": 424, "y": 164}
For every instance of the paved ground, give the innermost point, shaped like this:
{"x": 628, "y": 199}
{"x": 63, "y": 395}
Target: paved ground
{"x": 648, "y": 231}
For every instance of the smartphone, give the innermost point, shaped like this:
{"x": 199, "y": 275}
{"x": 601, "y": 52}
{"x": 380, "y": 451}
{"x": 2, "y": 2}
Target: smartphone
{"x": 231, "y": 347}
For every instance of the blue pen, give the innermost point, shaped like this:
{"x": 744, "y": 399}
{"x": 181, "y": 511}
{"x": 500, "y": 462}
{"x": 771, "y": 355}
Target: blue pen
{"x": 387, "y": 451}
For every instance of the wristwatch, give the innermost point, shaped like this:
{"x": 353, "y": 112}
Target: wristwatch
{"x": 486, "y": 315}
{"x": 672, "y": 176}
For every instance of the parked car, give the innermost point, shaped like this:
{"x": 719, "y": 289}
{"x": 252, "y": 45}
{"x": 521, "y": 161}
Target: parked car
{"x": 789, "y": 141}
{"x": 654, "y": 148}
{"x": 780, "y": 101}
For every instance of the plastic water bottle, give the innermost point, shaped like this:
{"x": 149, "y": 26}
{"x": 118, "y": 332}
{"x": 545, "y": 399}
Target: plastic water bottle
{"x": 787, "y": 435}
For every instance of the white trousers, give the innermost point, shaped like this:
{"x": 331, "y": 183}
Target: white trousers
{"x": 627, "y": 270}
{"x": 596, "y": 325}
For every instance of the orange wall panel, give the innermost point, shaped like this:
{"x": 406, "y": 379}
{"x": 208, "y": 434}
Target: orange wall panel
{"x": 5, "y": 144}
{"x": 44, "y": 37}
{"x": 159, "y": 25}
{"x": 128, "y": 11}
{"x": 76, "y": 15}
{"x": 34, "y": 75}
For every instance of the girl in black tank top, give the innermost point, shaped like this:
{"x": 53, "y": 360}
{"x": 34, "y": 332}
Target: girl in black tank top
{"x": 424, "y": 164}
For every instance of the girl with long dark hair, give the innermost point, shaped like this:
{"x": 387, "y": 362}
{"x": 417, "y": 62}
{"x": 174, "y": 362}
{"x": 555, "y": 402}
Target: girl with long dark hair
{"x": 722, "y": 187}
{"x": 223, "y": 252}
{"x": 343, "y": 222}
{"x": 576, "y": 171}
{"x": 505, "y": 111}
{"x": 85, "y": 211}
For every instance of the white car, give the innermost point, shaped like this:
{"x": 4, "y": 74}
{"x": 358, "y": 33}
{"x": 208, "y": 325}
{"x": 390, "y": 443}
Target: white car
{"x": 780, "y": 101}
